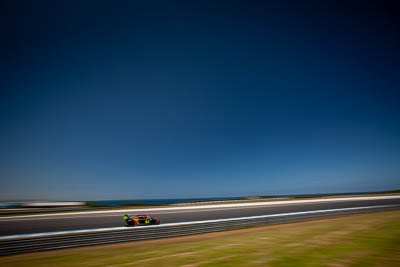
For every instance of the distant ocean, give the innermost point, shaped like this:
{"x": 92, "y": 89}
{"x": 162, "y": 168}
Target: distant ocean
{"x": 160, "y": 201}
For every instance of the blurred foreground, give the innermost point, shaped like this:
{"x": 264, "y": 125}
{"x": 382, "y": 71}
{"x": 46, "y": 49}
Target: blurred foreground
{"x": 362, "y": 240}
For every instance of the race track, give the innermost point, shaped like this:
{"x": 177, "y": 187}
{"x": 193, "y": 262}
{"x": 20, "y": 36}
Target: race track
{"x": 90, "y": 220}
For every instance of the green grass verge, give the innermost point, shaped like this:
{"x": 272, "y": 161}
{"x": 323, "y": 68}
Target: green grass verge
{"x": 357, "y": 240}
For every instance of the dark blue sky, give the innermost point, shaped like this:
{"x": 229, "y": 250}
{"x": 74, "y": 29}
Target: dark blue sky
{"x": 165, "y": 99}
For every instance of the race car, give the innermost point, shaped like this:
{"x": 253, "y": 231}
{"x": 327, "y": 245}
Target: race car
{"x": 140, "y": 220}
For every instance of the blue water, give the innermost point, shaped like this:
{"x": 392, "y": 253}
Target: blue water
{"x": 159, "y": 201}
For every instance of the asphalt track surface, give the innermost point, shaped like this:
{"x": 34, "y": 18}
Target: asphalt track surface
{"x": 28, "y": 225}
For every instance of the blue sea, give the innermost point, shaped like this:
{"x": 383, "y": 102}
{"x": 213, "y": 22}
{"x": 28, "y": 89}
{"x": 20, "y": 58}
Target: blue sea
{"x": 159, "y": 201}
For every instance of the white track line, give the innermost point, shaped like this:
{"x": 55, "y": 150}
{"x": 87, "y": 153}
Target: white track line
{"x": 272, "y": 203}
{"x": 2, "y": 238}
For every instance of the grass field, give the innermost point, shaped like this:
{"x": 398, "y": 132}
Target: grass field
{"x": 357, "y": 240}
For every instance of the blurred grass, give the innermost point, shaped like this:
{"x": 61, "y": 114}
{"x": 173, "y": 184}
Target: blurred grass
{"x": 357, "y": 240}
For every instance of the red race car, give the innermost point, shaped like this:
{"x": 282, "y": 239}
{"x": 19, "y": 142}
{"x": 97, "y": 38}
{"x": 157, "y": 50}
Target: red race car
{"x": 140, "y": 220}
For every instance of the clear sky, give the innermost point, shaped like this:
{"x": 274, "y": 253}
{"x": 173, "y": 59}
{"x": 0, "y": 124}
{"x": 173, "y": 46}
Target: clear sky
{"x": 166, "y": 99}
